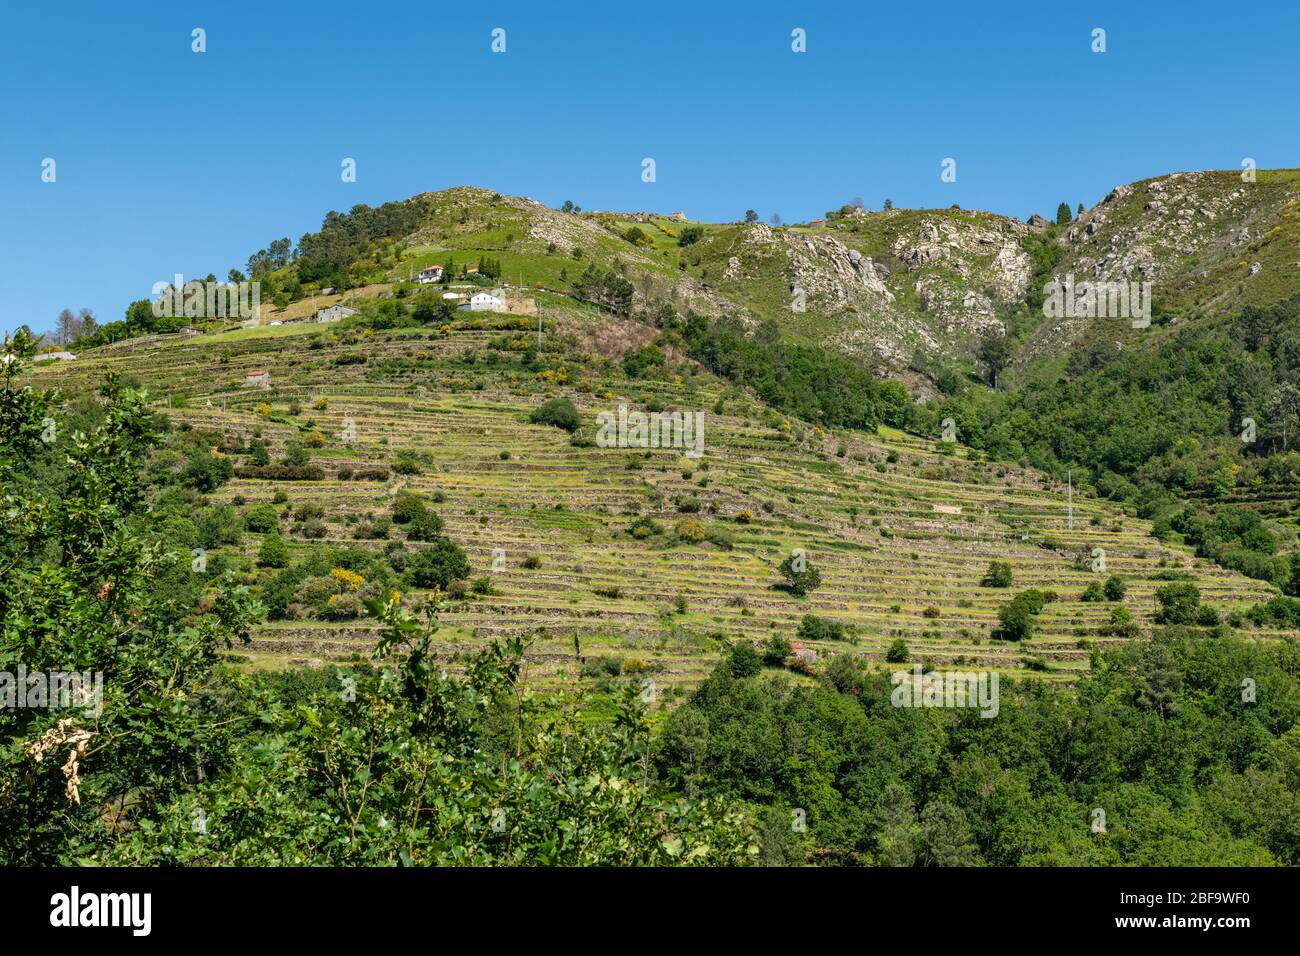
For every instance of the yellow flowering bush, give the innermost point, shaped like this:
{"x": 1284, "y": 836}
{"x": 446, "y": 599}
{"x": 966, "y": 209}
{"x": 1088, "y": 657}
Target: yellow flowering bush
{"x": 350, "y": 580}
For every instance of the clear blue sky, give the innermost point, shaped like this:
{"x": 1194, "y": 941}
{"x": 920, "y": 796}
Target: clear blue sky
{"x": 170, "y": 161}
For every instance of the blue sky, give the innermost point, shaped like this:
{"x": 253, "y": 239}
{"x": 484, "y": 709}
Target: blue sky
{"x": 170, "y": 161}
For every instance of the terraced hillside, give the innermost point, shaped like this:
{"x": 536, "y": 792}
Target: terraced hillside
{"x": 901, "y": 529}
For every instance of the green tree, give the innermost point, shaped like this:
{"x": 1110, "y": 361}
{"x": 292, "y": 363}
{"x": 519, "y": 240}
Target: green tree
{"x": 206, "y": 473}
{"x": 995, "y": 351}
{"x": 801, "y": 578}
{"x": 1178, "y": 603}
{"x": 997, "y": 576}
{"x": 1063, "y": 217}
{"x": 274, "y": 552}
{"x": 438, "y": 566}
{"x": 1018, "y": 616}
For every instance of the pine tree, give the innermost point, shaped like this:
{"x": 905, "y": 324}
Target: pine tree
{"x": 1063, "y": 216}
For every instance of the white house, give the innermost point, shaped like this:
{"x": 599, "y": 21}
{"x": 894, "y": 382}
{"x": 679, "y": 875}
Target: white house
{"x": 334, "y": 313}
{"x": 429, "y": 274}
{"x": 486, "y": 302}
{"x": 61, "y": 356}
{"x": 258, "y": 377}
{"x": 452, "y": 295}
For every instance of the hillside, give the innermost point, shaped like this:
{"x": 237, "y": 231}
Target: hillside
{"x": 664, "y": 560}
{"x": 1208, "y": 242}
{"x": 908, "y": 293}
{"x": 901, "y": 529}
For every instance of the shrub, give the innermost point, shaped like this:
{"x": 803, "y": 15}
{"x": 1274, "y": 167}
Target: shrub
{"x": 559, "y": 412}
{"x": 1121, "y": 623}
{"x": 1115, "y": 588}
{"x": 408, "y": 506}
{"x": 690, "y": 530}
{"x": 437, "y": 566}
{"x": 814, "y": 628}
{"x": 744, "y": 660}
{"x": 295, "y": 456}
{"x": 775, "y": 650}
{"x": 602, "y": 667}
{"x": 376, "y": 530}
{"x": 1093, "y": 593}
{"x": 1179, "y": 604}
{"x": 262, "y": 519}
{"x": 898, "y": 652}
{"x": 407, "y": 465}
{"x": 274, "y": 553}
{"x": 205, "y": 473}
{"x": 645, "y": 527}
{"x": 532, "y": 562}
{"x": 342, "y": 607}
{"x": 218, "y": 526}
{"x": 720, "y": 537}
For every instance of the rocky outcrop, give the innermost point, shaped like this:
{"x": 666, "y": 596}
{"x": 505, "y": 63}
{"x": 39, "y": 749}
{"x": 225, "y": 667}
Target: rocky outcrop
{"x": 833, "y": 276}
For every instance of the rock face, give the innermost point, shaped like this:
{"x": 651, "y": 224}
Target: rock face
{"x": 1038, "y": 223}
{"x": 831, "y": 273}
{"x": 964, "y": 271}
{"x": 947, "y": 278}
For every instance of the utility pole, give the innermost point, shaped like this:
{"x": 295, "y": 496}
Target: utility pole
{"x": 1069, "y": 477}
